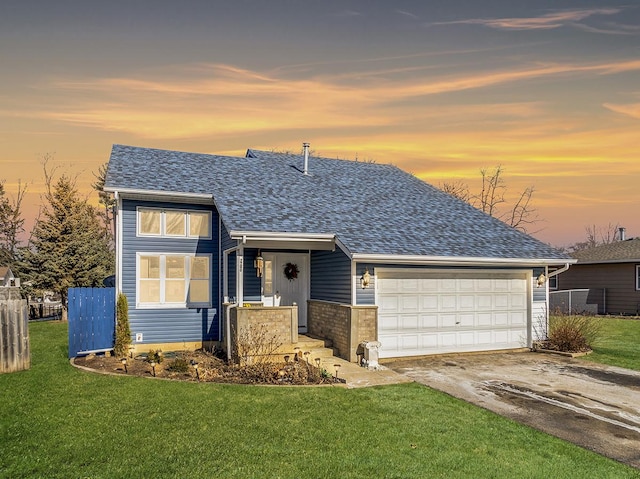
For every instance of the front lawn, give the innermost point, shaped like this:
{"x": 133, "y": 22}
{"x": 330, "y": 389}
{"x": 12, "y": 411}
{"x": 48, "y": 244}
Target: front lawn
{"x": 57, "y": 421}
{"x": 618, "y": 343}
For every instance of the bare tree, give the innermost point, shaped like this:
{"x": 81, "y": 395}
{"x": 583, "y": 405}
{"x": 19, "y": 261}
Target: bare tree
{"x": 597, "y": 236}
{"x": 522, "y": 215}
{"x": 458, "y": 189}
{"x": 107, "y": 201}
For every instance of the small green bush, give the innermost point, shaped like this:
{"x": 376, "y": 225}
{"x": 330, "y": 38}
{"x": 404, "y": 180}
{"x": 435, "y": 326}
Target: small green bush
{"x": 573, "y": 333}
{"x": 179, "y": 365}
{"x": 155, "y": 355}
{"x": 123, "y": 332}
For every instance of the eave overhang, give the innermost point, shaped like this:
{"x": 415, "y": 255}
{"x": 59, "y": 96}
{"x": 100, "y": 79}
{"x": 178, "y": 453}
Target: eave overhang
{"x": 155, "y": 195}
{"x": 284, "y": 240}
{"x": 459, "y": 261}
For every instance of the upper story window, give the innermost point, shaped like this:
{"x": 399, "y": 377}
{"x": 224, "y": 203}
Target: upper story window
{"x": 638, "y": 277}
{"x": 174, "y": 223}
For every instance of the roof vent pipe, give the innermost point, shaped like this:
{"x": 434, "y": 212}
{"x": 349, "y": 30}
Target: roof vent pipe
{"x": 305, "y": 148}
{"x": 622, "y": 234}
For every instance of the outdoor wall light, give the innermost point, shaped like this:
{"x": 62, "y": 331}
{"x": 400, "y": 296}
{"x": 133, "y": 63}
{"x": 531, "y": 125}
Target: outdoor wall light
{"x": 258, "y": 264}
{"x": 365, "y": 279}
{"x": 124, "y": 364}
{"x": 541, "y": 280}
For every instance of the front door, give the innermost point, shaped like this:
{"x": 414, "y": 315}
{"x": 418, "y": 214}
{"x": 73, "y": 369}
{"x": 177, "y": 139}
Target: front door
{"x": 285, "y": 282}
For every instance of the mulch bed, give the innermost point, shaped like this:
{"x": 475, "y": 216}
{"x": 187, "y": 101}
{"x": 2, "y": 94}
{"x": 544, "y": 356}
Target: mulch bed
{"x": 181, "y": 366}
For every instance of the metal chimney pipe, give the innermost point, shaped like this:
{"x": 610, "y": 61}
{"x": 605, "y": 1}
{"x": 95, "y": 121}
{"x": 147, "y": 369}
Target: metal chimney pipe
{"x": 305, "y": 147}
{"x": 622, "y": 234}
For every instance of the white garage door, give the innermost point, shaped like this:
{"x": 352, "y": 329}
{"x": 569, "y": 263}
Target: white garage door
{"x": 434, "y": 312}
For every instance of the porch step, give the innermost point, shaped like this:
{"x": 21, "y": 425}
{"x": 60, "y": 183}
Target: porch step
{"x": 306, "y": 342}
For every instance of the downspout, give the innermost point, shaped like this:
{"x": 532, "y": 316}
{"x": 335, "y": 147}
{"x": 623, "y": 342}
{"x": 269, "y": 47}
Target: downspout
{"x": 558, "y": 271}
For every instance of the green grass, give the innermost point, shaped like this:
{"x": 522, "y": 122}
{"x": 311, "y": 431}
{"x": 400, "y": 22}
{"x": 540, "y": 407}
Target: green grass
{"x": 618, "y": 343}
{"x": 57, "y": 421}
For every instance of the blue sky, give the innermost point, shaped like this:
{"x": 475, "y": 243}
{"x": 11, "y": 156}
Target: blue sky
{"x": 549, "y": 90}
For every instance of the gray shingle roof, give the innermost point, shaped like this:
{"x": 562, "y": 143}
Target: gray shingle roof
{"x": 618, "y": 252}
{"x": 372, "y": 208}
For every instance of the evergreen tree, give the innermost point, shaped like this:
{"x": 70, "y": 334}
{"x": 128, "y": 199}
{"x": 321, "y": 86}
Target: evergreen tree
{"x": 68, "y": 247}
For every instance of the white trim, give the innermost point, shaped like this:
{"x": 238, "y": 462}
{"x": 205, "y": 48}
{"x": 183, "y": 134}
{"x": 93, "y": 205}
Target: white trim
{"x": 119, "y": 232}
{"x": 354, "y": 289}
{"x": 456, "y": 261}
{"x": 156, "y": 193}
{"x": 247, "y": 236}
{"x": 240, "y": 275}
{"x": 177, "y": 305}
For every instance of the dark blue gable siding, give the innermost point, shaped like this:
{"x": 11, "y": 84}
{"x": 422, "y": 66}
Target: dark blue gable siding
{"x": 331, "y": 276}
{"x": 169, "y": 325}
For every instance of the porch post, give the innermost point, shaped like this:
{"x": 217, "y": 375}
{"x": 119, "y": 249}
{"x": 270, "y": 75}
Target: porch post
{"x": 240, "y": 275}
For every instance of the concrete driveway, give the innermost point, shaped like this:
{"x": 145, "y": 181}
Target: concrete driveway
{"x": 594, "y": 406}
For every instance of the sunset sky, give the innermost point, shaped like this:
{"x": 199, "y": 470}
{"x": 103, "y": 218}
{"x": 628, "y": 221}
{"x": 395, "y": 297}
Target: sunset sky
{"x": 549, "y": 89}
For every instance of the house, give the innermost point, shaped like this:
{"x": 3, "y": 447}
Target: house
{"x": 609, "y": 276}
{"x": 9, "y": 284}
{"x": 7, "y": 279}
{"x": 343, "y": 250}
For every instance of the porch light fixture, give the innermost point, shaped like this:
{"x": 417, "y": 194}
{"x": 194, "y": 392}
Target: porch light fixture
{"x": 541, "y": 280}
{"x": 258, "y": 264}
{"x": 365, "y": 279}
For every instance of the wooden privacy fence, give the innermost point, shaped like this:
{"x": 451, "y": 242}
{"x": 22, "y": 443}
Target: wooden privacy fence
{"x": 15, "y": 354}
{"x": 92, "y": 319}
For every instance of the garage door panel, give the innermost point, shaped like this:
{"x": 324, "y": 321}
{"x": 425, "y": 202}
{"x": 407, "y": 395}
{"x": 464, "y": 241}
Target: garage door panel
{"x": 429, "y": 321}
{"x": 409, "y": 304}
{"x": 448, "y": 302}
{"x": 429, "y": 312}
{"x": 429, "y": 302}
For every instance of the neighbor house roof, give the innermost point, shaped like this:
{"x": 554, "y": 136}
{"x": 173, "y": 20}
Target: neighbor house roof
{"x": 617, "y": 252}
{"x": 372, "y": 208}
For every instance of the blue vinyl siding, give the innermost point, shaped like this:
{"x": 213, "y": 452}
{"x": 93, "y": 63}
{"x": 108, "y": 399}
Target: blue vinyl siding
{"x": 252, "y": 284}
{"x": 331, "y": 276}
{"x": 169, "y": 325}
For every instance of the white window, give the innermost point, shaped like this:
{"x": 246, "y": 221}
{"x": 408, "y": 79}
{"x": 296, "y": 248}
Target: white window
{"x": 553, "y": 282}
{"x": 174, "y": 223}
{"x": 638, "y": 277}
{"x": 173, "y": 280}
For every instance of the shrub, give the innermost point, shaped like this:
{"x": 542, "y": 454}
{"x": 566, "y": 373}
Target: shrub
{"x": 573, "y": 333}
{"x": 155, "y": 355}
{"x": 123, "y": 332}
{"x": 255, "y": 345}
{"x": 179, "y": 365}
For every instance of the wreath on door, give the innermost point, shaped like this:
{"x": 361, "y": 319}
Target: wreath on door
{"x": 291, "y": 271}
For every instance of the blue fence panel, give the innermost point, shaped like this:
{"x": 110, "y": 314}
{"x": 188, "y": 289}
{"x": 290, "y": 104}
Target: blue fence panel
{"x": 92, "y": 319}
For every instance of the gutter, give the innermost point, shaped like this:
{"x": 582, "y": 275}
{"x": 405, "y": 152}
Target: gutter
{"x": 459, "y": 261}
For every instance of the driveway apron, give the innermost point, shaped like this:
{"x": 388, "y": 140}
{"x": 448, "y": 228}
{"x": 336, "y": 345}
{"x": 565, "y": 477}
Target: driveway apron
{"x": 594, "y": 406}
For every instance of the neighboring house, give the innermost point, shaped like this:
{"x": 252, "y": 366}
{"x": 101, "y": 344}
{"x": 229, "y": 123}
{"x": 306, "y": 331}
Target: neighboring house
{"x": 610, "y": 273}
{"x": 347, "y": 250}
{"x": 7, "y": 279}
